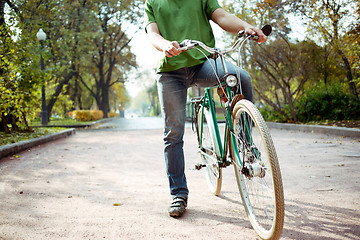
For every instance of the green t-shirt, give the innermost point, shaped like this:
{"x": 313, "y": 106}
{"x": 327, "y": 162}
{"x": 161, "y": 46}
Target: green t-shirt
{"x": 182, "y": 19}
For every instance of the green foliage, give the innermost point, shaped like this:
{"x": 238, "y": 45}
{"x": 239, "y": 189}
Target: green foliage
{"x": 109, "y": 58}
{"x": 154, "y": 100}
{"x": 328, "y": 24}
{"x": 282, "y": 69}
{"x": 352, "y": 48}
{"x": 269, "y": 114}
{"x": 19, "y": 81}
{"x": 328, "y": 103}
{"x": 79, "y": 34}
{"x": 63, "y": 102}
{"x": 120, "y": 98}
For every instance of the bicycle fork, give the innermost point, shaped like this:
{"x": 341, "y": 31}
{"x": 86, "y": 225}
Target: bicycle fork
{"x": 251, "y": 165}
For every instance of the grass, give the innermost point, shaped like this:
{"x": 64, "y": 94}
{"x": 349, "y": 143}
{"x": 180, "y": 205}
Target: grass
{"x": 9, "y": 138}
{"x": 60, "y": 122}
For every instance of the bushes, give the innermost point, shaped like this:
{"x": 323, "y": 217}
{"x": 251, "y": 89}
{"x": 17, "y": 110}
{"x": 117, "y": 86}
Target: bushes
{"x": 86, "y": 115}
{"x": 90, "y": 115}
{"x": 328, "y": 103}
{"x": 113, "y": 114}
{"x": 322, "y": 102}
{"x": 271, "y": 115}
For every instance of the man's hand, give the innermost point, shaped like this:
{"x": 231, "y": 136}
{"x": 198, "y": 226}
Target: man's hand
{"x": 172, "y": 49}
{"x": 256, "y": 32}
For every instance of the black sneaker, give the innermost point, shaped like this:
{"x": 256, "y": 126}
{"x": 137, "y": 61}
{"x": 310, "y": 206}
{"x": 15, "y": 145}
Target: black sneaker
{"x": 178, "y": 207}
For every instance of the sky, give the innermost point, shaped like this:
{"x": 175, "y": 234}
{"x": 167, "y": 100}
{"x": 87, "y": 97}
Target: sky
{"x": 146, "y": 56}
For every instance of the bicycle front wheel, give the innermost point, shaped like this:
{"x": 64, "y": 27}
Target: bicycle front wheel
{"x": 209, "y": 149}
{"x": 258, "y": 173}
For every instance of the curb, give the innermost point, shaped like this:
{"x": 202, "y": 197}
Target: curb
{"x": 337, "y": 131}
{"x": 11, "y": 149}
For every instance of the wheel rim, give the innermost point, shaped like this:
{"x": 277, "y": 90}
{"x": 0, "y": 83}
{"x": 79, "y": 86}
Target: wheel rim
{"x": 212, "y": 169}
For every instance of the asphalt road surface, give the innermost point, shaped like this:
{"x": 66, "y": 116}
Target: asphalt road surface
{"x": 110, "y": 183}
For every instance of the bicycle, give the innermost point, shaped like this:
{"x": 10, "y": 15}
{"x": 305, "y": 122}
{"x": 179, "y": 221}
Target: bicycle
{"x": 247, "y": 145}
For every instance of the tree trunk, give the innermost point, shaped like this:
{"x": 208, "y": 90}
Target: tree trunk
{"x": 58, "y": 90}
{"x": 104, "y": 105}
{"x": 349, "y": 75}
{"x": 2, "y": 13}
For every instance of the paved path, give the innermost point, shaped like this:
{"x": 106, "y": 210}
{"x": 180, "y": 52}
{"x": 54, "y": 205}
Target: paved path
{"x": 108, "y": 183}
{"x": 121, "y": 124}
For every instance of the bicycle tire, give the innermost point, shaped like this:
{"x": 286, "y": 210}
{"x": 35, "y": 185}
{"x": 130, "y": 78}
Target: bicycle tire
{"x": 208, "y": 144}
{"x": 262, "y": 195}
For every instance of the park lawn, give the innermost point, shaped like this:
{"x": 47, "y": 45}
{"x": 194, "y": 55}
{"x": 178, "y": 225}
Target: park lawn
{"x": 38, "y": 131}
{"x": 9, "y": 138}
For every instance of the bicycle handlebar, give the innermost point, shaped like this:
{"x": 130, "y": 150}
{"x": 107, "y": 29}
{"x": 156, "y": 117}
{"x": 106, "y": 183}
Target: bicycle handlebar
{"x": 189, "y": 44}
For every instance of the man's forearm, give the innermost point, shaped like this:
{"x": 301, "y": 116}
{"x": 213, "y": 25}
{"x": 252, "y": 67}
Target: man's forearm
{"x": 228, "y": 22}
{"x": 169, "y": 48}
{"x": 155, "y": 37}
{"x": 233, "y": 24}
{"x": 158, "y": 41}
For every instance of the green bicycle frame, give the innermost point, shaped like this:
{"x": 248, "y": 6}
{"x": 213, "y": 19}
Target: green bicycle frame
{"x": 208, "y": 102}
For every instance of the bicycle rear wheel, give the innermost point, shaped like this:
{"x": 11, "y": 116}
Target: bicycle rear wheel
{"x": 259, "y": 179}
{"x": 209, "y": 149}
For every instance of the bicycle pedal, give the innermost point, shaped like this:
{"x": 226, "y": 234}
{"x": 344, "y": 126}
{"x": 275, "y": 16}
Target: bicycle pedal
{"x": 199, "y": 166}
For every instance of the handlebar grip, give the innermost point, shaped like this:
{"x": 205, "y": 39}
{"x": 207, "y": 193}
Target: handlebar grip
{"x": 242, "y": 34}
{"x": 254, "y": 37}
{"x": 187, "y": 45}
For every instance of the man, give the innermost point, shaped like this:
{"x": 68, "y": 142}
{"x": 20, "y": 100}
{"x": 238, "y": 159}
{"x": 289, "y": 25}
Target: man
{"x": 169, "y": 22}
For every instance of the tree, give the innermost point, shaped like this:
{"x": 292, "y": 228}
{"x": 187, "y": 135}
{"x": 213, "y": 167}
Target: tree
{"x": 260, "y": 13}
{"x": 19, "y": 77}
{"x": 327, "y": 21}
{"x": 154, "y": 100}
{"x": 276, "y": 79}
{"x": 79, "y": 33}
{"x": 119, "y": 98}
{"x": 352, "y": 39}
{"x": 111, "y": 55}
{"x": 281, "y": 70}
{"x": 28, "y": 17}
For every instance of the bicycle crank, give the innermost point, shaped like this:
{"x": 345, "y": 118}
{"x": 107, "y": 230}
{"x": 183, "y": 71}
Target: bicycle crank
{"x": 199, "y": 166}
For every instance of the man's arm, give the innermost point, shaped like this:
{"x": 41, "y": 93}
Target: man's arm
{"x": 167, "y": 47}
{"x": 233, "y": 24}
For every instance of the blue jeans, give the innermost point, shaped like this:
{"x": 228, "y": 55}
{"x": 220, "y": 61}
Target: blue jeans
{"x": 172, "y": 90}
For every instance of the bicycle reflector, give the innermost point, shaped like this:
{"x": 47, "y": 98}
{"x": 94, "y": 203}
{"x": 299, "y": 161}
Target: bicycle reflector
{"x": 231, "y": 81}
